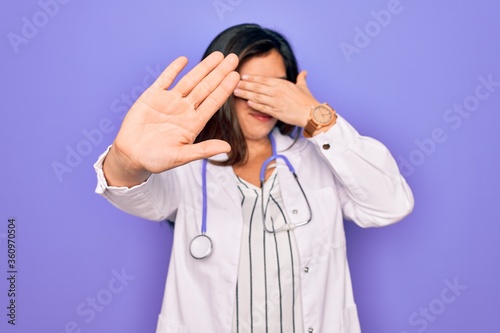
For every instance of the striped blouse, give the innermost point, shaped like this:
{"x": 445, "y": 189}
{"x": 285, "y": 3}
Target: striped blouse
{"x": 268, "y": 288}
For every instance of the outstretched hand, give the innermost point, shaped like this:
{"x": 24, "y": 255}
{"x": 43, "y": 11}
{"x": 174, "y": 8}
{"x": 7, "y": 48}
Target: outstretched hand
{"x": 158, "y": 132}
{"x": 291, "y": 103}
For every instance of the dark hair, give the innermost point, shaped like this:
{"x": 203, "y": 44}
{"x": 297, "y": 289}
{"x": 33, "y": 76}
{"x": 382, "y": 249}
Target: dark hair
{"x": 246, "y": 41}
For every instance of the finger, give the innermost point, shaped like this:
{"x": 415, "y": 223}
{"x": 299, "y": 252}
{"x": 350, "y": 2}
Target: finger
{"x": 198, "y": 73}
{"x": 204, "y": 149}
{"x": 254, "y": 96}
{"x": 215, "y": 100}
{"x": 267, "y": 80}
{"x": 264, "y": 108}
{"x": 170, "y": 73}
{"x": 255, "y": 87}
{"x": 213, "y": 80}
{"x": 301, "y": 78}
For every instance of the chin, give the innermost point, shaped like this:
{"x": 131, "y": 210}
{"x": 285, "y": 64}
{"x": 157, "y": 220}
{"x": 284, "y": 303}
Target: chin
{"x": 259, "y": 135}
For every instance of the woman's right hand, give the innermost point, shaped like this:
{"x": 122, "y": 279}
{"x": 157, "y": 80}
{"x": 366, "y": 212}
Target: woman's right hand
{"x": 158, "y": 131}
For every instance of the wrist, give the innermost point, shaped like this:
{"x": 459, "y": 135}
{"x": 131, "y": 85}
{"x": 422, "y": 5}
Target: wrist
{"x": 321, "y": 118}
{"x": 119, "y": 172}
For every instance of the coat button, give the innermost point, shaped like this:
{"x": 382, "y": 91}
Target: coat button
{"x": 326, "y": 146}
{"x": 306, "y": 269}
{"x": 310, "y": 330}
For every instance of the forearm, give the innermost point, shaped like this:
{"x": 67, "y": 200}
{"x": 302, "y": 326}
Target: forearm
{"x": 372, "y": 190}
{"x": 154, "y": 199}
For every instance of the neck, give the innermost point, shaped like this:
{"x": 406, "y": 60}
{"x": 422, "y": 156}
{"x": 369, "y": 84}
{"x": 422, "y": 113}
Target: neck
{"x": 258, "y": 152}
{"x": 259, "y": 149}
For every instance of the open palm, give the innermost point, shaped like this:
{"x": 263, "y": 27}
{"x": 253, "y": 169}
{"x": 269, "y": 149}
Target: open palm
{"x": 158, "y": 132}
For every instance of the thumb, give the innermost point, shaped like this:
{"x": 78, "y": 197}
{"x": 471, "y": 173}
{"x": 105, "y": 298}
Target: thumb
{"x": 204, "y": 149}
{"x": 301, "y": 78}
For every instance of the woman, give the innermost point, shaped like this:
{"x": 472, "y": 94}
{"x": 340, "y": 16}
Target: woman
{"x": 275, "y": 259}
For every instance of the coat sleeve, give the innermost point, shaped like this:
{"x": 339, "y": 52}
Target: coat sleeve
{"x": 156, "y": 199}
{"x": 372, "y": 191}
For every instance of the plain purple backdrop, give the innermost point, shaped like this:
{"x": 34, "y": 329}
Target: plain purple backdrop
{"x": 411, "y": 73}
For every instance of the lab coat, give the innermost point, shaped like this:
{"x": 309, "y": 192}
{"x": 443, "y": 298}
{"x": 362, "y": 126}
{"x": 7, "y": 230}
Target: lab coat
{"x": 344, "y": 175}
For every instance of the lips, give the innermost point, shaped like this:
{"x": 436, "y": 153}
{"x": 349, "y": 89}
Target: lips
{"x": 261, "y": 116}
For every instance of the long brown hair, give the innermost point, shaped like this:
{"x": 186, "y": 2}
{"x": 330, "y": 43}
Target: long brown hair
{"x": 246, "y": 41}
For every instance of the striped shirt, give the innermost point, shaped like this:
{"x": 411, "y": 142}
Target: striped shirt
{"x": 268, "y": 288}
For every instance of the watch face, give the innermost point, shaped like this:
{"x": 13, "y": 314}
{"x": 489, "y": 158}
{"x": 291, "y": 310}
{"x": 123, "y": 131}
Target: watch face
{"x": 322, "y": 114}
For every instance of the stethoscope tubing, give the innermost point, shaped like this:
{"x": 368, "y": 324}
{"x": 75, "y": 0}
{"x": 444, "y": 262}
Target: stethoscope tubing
{"x": 205, "y": 241}
{"x": 205, "y": 196}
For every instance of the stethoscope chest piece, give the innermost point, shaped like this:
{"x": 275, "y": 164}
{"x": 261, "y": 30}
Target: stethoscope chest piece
{"x": 200, "y": 246}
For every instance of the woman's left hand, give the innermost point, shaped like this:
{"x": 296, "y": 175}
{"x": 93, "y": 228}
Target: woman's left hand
{"x": 291, "y": 103}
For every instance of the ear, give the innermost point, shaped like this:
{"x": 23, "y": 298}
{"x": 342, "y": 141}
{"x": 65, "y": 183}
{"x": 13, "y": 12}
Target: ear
{"x": 301, "y": 78}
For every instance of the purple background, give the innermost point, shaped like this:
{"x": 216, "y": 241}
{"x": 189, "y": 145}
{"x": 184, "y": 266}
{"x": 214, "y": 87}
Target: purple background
{"x": 67, "y": 78}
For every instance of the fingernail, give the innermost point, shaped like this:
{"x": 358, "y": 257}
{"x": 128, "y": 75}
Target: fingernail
{"x": 244, "y": 77}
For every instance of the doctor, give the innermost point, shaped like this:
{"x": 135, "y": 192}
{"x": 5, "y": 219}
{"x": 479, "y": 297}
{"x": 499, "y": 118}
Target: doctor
{"x": 240, "y": 152}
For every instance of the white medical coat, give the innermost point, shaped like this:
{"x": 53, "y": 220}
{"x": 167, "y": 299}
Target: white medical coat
{"x": 343, "y": 175}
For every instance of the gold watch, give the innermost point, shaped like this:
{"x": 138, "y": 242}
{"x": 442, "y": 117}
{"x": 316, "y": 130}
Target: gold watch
{"x": 321, "y": 116}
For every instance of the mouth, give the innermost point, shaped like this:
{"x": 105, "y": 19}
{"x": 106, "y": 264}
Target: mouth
{"x": 261, "y": 116}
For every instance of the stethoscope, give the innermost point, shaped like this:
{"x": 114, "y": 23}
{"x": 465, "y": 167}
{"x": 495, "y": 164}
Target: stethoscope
{"x": 201, "y": 246}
